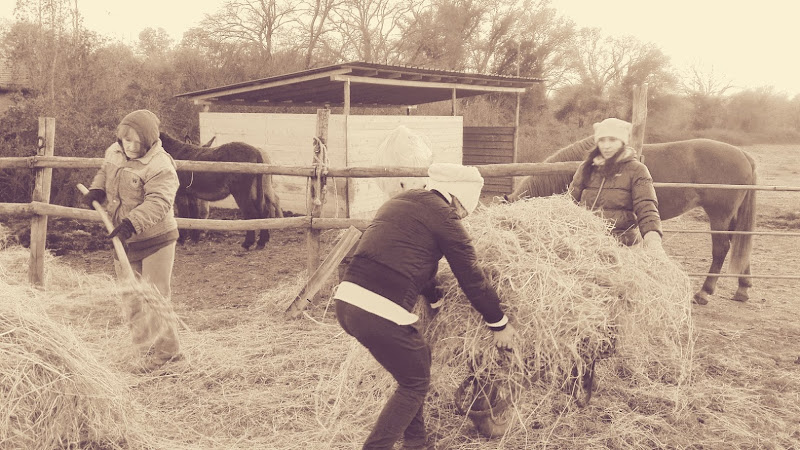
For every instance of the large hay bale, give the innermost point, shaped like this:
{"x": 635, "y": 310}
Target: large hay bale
{"x": 574, "y": 294}
{"x": 53, "y": 392}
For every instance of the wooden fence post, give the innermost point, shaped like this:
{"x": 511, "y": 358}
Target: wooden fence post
{"x": 41, "y": 193}
{"x": 639, "y": 118}
{"x": 317, "y": 191}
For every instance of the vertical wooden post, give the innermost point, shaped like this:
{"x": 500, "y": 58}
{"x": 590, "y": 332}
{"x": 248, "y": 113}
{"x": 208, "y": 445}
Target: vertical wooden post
{"x": 515, "y": 151}
{"x": 41, "y": 193}
{"x": 317, "y": 190}
{"x": 346, "y": 108}
{"x": 346, "y": 113}
{"x": 639, "y": 118}
{"x": 454, "y": 107}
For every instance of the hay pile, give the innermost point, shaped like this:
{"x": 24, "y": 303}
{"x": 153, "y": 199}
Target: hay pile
{"x": 574, "y": 294}
{"x": 53, "y": 391}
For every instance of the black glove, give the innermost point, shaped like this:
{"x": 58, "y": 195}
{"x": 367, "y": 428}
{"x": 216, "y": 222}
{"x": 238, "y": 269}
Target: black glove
{"x": 124, "y": 230}
{"x": 94, "y": 195}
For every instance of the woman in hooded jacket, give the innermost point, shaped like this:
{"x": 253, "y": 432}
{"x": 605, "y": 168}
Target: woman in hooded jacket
{"x": 137, "y": 184}
{"x": 615, "y": 184}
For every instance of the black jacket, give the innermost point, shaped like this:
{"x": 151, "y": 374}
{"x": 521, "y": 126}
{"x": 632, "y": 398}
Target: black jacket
{"x": 399, "y": 253}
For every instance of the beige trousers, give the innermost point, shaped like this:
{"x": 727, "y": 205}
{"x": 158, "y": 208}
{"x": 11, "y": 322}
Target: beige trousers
{"x": 153, "y": 324}
{"x": 156, "y": 269}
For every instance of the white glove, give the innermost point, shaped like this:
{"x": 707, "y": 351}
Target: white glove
{"x": 652, "y": 242}
{"x": 505, "y": 339}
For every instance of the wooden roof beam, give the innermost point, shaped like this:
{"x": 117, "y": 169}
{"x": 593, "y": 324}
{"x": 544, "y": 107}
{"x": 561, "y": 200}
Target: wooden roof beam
{"x": 261, "y": 86}
{"x": 423, "y": 84}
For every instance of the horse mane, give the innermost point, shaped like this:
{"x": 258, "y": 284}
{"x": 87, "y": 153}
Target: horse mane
{"x": 545, "y": 185}
{"x": 180, "y": 149}
{"x": 576, "y": 151}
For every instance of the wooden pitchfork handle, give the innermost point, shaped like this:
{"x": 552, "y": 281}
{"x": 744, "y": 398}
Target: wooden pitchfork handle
{"x": 118, "y": 247}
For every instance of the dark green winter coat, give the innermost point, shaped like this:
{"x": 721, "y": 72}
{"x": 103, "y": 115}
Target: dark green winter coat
{"x": 620, "y": 190}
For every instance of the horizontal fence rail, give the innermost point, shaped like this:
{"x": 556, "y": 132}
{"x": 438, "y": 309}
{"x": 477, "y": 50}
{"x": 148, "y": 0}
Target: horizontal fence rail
{"x": 46, "y": 209}
{"x": 735, "y": 275}
{"x": 34, "y": 209}
{"x": 751, "y": 233}
{"x": 486, "y": 170}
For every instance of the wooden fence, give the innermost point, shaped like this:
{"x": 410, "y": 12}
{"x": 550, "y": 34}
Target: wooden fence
{"x": 39, "y": 209}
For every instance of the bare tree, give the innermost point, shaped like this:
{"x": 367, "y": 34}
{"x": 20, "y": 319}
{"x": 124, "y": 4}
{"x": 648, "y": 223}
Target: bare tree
{"x": 607, "y": 67}
{"x": 253, "y": 22}
{"x": 538, "y": 46}
{"x": 313, "y": 23}
{"x": 50, "y": 20}
{"x": 439, "y": 34}
{"x": 705, "y": 90}
{"x": 705, "y": 82}
{"x": 369, "y": 30}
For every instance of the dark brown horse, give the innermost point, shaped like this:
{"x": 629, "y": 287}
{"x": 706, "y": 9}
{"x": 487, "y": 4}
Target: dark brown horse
{"x": 698, "y": 161}
{"x": 192, "y": 207}
{"x": 253, "y": 193}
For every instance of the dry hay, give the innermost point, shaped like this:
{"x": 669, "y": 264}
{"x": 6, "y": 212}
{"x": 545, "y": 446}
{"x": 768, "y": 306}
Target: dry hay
{"x": 254, "y": 380}
{"x": 574, "y": 294}
{"x": 53, "y": 391}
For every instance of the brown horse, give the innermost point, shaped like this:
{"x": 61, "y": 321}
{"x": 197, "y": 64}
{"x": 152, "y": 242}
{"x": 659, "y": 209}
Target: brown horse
{"x": 192, "y": 207}
{"x": 698, "y": 161}
{"x": 253, "y": 193}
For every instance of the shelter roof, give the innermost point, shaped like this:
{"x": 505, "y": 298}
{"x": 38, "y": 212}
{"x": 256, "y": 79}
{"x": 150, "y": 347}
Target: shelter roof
{"x": 370, "y": 85}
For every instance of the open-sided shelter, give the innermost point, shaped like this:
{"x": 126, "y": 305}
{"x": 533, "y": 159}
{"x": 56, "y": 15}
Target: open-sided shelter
{"x": 353, "y": 139}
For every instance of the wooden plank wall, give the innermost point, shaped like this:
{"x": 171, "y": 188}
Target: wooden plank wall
{"x": 490, "y": 145}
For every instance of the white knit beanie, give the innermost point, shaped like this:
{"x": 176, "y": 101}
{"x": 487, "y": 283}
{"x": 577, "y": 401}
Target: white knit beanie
{"x": 612, "y": 127}
{"x": 462, "y": 182}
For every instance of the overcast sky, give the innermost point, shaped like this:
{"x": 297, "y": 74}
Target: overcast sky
{"x": 750, "y": 43}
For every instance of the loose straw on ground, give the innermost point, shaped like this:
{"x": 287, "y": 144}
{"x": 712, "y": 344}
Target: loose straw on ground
{"x": 253, "y": 380}
{"x": 53, "y": 391}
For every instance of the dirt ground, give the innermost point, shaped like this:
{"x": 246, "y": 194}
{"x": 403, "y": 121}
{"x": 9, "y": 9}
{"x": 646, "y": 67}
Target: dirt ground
{"x": 214, "y": 278}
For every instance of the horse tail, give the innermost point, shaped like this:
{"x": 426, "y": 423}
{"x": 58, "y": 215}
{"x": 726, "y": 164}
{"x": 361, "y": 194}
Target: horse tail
{"x": 742, "y": 244}
{"x": 262, "y": 203}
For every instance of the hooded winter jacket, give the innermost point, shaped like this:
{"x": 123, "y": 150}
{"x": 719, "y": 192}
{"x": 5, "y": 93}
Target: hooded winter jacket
{"x": 141, "y": 190}
{"x": 399, "y": 253}
{"x": 621, "y": 190}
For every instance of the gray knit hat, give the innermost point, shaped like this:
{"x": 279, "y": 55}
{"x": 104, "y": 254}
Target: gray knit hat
{"x": 145, "y": 123}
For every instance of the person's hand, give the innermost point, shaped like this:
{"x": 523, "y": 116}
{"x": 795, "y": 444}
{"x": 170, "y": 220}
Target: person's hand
{"x": 505, "y": 339}
{"x": 94, "y": 195}
{"x": 124, "y": 230}
{"x": 652, "y": 242}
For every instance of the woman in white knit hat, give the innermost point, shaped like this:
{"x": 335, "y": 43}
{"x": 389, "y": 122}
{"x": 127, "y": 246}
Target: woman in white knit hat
{"x": 614, "y": 183}
{"x": 396, "y": 261}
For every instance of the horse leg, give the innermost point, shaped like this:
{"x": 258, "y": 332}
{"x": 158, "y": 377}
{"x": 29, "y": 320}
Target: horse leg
{"x": 745, "y": 283}
{"x": 194, "y": 212}
{"x": 203, "y": 211}
{"x": 263, "y": 238}
{"x": 243, "y": 200}
{"x": 266, "y": 212}
{"x": 182, "y": 210}
{"x": 199, "y": 209}
{"x": 720, "y": 244}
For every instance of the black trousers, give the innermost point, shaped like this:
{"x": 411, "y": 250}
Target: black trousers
{"x": 403, "y": 351}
